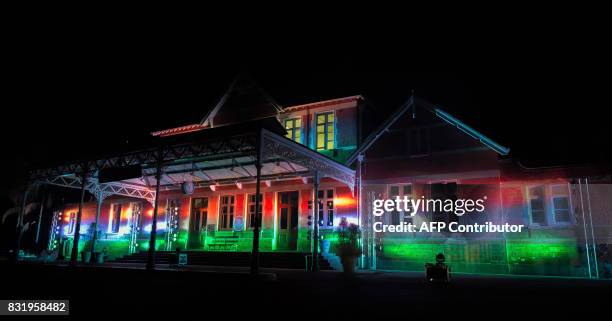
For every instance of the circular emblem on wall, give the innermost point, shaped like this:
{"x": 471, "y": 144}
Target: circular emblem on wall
{"x": 238, "y": 223}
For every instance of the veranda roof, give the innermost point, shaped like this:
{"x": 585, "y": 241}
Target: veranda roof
{"x": 220, "y": 155}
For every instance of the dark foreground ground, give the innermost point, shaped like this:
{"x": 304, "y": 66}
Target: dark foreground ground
{"x": 227, "y": 294}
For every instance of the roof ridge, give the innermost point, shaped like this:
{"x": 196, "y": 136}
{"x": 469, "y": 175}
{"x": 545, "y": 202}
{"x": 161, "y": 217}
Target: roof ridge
{"x": 325, "y": 102}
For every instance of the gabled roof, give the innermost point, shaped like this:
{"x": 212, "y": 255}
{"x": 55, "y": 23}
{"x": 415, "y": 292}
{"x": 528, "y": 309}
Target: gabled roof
{"x": 243, "y": 96}
{"x": 411, "y": 104}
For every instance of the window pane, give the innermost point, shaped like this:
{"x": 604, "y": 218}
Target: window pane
{"x": 330, "y": 117}
{"x": 283, "y": 219}
{"x": 298, "y": 123}
{"x": 561, "y": 207}
{"x": 395, "y": 218}
{"x": 538, "y": 217}
{"x": 562, "y": 216}
{"x": 537, "y": 205}
{"x": 321, "y": 119}
{"x": 289, "y": 124}
{"x": 321, "y": 141}
{"x": 561, "y": 203}
{"x": 196, "y": 221}
{"x": 407, "y": 189}
{"x": 394, "y": 191}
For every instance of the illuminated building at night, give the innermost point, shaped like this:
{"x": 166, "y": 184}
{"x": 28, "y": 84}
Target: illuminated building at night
{"x": 203, "y": 178}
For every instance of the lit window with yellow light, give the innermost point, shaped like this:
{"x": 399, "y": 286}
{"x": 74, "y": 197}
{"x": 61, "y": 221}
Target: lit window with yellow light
{"x": 294, "y": 129}
{"x": 325, "y": 131}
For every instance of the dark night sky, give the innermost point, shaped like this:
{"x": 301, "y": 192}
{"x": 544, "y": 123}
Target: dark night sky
{"x": 542, "y": 100}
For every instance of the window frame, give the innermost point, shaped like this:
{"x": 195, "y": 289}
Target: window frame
{"x": 249, "y": 203}
{"x": 326, "y": 140}
{"x": 202, "y": 213}
{"x": 529, "y": 208}
{"x": 548, "y": 198}
{"x": 291, "y": 131}
{"x": 231, "y": 214}
{"x": 324, "y": 208}
{"x": 553, "y": 196}
{"x": 402, "y": 215}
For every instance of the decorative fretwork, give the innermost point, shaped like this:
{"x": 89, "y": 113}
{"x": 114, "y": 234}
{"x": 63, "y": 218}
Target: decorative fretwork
{"x": 233, "y": 145}
{"x": 275, "y": 146}
{"x": 275, "y": 149}
{"x": 105, "y": 189}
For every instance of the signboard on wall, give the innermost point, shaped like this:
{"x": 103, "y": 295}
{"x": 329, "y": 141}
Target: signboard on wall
{"x": 182, "y": 260}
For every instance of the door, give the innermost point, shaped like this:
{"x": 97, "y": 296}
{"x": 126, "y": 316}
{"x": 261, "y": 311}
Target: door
{"x": 287, "y": 221}
{"x": 197, "y": 223}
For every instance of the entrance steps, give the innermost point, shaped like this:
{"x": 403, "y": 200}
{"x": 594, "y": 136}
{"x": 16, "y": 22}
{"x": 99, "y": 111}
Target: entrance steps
{"x": 283, "y": 260}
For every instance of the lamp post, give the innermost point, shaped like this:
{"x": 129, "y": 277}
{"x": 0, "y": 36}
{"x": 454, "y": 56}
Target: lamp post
{"x": 77, "y": 229}
{"x": 152, "y": 239}
{"x": 315, "y": 228}
{"x": 258, "y": 214}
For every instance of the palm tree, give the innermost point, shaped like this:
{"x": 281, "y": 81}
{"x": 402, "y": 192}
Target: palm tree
{"x": 22, "y": 209}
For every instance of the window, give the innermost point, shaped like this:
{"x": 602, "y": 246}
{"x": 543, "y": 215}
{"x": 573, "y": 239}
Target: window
{"x": 419, "y": 141}
{"x": 226, "y": 213}
{"x": 294, "y": 129}
{"x": 560, "y": 203}
{"x": 251, "y": 209}
{"x": 115, "y": 218}
{"x": 444, "y": 191}
{"x": 199, "y": 214}
{"x": 326, "y": 207}
{"x": 537, "y": 207}
{"x": 325, "y": 131}
{"x": 549, "y": 204}
{"x": 396, "y": 217}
